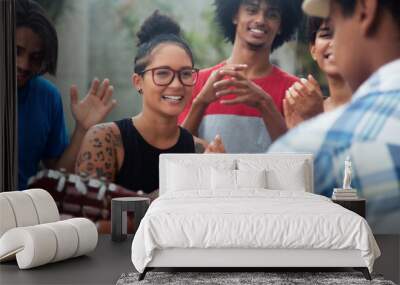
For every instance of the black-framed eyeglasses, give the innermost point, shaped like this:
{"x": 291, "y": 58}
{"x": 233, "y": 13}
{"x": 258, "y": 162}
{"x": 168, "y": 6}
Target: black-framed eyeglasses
{"x": 163, "y": 76}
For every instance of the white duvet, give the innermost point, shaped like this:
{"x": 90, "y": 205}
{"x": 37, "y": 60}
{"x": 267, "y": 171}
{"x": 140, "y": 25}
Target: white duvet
{"x": 250, "y": 219}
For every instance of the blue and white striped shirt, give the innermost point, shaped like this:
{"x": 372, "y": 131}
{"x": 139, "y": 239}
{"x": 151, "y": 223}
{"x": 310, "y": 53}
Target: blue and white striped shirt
{"x": 368, "y": 130}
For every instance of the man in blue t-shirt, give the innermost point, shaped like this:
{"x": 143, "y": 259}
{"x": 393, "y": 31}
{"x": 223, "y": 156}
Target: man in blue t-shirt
{"x": 42, "y": 135}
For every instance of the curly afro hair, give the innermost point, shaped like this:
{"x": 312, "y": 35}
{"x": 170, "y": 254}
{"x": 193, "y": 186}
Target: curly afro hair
{"x": 291, "y": 15}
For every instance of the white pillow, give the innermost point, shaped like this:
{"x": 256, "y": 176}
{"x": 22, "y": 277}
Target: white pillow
{"x": 236, "y": 179}
{"x": 223, "y": 179}
{"x": 188, "y": 175}
{"x": 295, "y": 181}
{"x": 183, "y": 177}
{"x": 282, "y": 174}
{"x": 251, "y": 178}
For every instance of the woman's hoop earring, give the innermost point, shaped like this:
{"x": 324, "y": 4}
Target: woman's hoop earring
{"x": 140, "y": 91}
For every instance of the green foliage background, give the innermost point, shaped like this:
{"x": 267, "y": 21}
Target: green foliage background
{"x": 209, "y": 46}
{"x": 203, "y": 37}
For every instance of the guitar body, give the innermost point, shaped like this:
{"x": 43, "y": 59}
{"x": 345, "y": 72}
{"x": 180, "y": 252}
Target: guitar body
{"x": 81, "y": 196}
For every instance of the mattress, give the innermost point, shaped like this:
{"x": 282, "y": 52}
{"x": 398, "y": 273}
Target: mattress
{"x": 250, "y": 219}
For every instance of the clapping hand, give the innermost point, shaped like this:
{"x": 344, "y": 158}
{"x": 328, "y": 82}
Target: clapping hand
{"x": 216, "y": 146}
{"x": 246, "y": 91}
{"x": 97, "y": 104}
{"x": 209, "y": 92}
{"x": 303, "y": 101}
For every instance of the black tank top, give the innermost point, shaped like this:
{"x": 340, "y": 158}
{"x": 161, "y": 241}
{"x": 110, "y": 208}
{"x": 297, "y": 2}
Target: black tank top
{"x": 139, "y": 170}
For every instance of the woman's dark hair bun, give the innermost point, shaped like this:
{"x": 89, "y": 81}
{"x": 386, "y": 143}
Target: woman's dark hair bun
{"x": 155, "y": 30}
{"x": 157, "y": 24}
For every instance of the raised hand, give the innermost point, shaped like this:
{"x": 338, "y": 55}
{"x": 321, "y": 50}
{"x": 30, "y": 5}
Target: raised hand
{"x": 97, "y": 104}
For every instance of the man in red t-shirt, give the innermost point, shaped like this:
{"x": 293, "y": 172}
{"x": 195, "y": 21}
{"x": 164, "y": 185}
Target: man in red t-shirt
{"x": 241, "y": 97}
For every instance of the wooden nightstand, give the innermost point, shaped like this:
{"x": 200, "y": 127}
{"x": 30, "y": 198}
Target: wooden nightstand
{"x": 356, "y": 205}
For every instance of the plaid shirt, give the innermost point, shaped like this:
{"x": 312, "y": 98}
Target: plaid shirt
{"x": 368, "y": 130}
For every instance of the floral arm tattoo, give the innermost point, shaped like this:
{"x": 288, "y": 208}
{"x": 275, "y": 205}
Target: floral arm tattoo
{"x": 98, "y": 154}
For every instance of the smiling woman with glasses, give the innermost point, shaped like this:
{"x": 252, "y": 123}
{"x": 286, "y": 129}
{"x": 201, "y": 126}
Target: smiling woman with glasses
{"x": 127, "y": 151}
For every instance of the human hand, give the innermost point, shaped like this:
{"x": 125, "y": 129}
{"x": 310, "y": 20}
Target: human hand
{"x": 209, "y": 92}
{"x": 216, "y": 146}
{"x": 200, "y": 145}
{"x": 153, "y": 195}
{"x": 246, "y": 91}
{"x": 292, "y": 117}
{"x": 302, "y": 101}
{"x": 307, "y": 97}
{"x": 97, "y": 104}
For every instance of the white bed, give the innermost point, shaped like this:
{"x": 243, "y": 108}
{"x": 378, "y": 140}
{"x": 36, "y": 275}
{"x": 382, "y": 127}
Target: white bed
{"x": 247, "y": 210}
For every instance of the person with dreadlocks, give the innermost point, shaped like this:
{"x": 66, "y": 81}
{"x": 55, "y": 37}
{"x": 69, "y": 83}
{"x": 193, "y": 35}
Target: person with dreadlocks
{"x": 241, "y": 97}
{"x": 42, "y": 134}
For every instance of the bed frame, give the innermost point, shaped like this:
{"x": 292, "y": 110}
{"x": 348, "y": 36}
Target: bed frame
{"x": 243, "y": 259}
{"x": 252, "y": 258}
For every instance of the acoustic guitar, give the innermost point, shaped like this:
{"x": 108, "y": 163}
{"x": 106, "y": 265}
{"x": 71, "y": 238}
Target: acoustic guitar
{"x": 82, "y": 196}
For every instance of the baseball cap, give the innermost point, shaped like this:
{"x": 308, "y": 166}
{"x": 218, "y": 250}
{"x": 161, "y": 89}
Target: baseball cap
{"x": 316, "y": 8}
